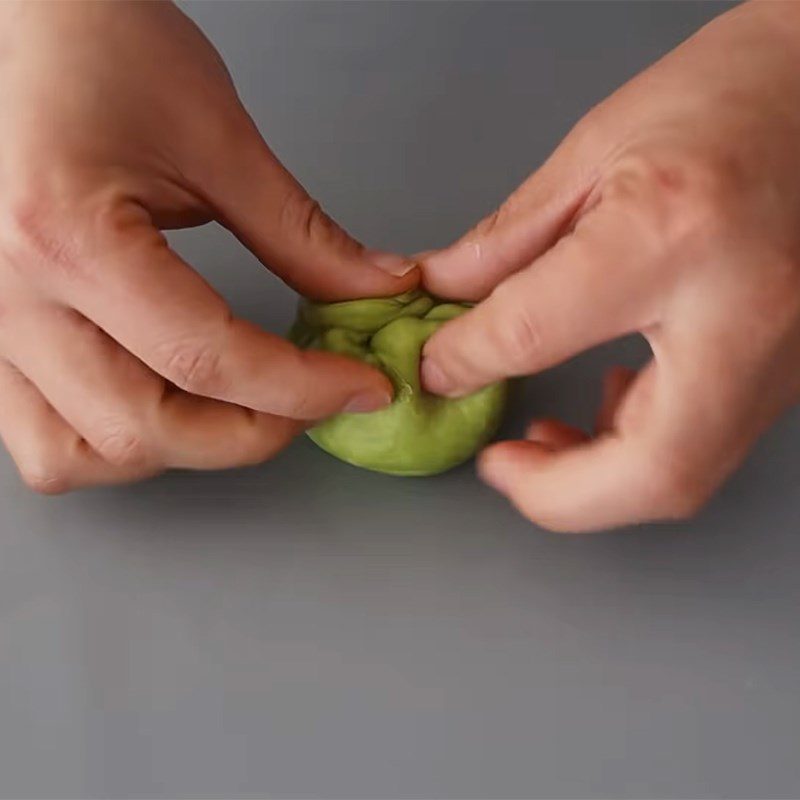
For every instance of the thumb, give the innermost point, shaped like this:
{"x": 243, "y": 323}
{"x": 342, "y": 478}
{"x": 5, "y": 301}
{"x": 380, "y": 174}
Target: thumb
{"x": 266, "y": 208}
{"x": 530, "y": 221}
{"x": 588, "y": 289}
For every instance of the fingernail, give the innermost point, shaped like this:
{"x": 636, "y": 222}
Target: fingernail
{"x": 365, "y": 402}
{"x": 433, "y": 378}
{"x": 390, "y": 262}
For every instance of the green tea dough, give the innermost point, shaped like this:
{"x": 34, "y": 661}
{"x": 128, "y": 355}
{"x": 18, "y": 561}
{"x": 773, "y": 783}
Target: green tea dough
{"x": 419, "y": 433}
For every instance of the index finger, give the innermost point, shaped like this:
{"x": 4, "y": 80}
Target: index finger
{"x": 151, "y": 302}
{"x": 259, "y": 200}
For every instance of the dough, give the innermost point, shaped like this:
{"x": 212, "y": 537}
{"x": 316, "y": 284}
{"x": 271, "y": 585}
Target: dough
{"x": 420, "y": 433}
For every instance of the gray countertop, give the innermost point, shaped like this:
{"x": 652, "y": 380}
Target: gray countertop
{"x": 305, "y": 629}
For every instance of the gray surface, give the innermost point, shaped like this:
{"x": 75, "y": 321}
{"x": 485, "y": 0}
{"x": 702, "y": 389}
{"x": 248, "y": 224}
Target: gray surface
{"x": 306, "y": 629}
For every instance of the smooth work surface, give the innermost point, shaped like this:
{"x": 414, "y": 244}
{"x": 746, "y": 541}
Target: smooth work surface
{"x": 304, "y": 629}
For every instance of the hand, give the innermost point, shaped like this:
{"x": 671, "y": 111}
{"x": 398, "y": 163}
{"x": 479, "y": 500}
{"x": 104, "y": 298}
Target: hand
{"x": 671, "y": 209}
{"x": 117, "y": 360}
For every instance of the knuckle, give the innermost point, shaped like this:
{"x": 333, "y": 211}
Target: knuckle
{"x": 673, "y": 492}
{"x": 195, "y": 366}
{"x": 488, "y": 224}
{"x": 680, "y": 195}
{"x": 121, "y": 444}
{"x": 263, "y": 439}
{"x": 493, "y": 223}
{"x": 302, "y": 402}
{"x": 302, "y": 216}
{"x": 45, "y": 237}
{"x": 44, "y": 474}
{"x": 300, "y": 212}
{"x": 31, "y": 234}
{"x": 40, "y": 227}
{"x": 115, "y": 222}
{"x": 45, "y": 483}
{"x": 516, "y": 335}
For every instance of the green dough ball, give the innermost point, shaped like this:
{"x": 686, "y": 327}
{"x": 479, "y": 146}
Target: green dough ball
{"x": 419, "y": 433}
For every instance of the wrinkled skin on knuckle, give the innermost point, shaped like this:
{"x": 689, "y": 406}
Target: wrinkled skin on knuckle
{"x": 58, "y": 227}
{"x": 194, "y": 366}
{"x": 44, "y": 472}
{"x": 517, "y": 335}
{"x": 34, "y": 235}
{"x": 677, "y": 198}
{"x": 45, "y": 483}
{"x": 121, "y": 443}
{"x": 301, "y": 400}
{"x": 304, "y": 218}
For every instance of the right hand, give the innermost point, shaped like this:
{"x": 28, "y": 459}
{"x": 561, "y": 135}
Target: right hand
{"x": 117, "y": 360}
{"x": 670, "y": 210}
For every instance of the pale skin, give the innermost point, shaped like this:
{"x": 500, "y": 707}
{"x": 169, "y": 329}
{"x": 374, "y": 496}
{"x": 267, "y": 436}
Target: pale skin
{"x": 671, "y": 210}
{"x": 117, "y": 360}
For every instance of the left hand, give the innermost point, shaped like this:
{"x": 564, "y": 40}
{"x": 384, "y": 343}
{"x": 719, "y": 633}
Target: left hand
{"x": 117, "y": 359}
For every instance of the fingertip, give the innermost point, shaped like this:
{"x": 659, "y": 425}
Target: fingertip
{"x": 391, "y": 263}
{"x": 462, "y": 356}
{"x": 362, "y": 388}
{"x": 410, "y": 279}
{"x": 376, "y": 273}
{"x": 319, "y": 384}
{"x": 361, "y": 281}
{"x": 368, "y": 401}
{"x": 371, "y": 280}
{"x": 499, "y": 464}
{"x": 456, "y": 272}
{"x": 434, "y": 379}
{"x": 513, "y": 469}
{"x": 490, "y": 467}
{"x": 450, "y": 367}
